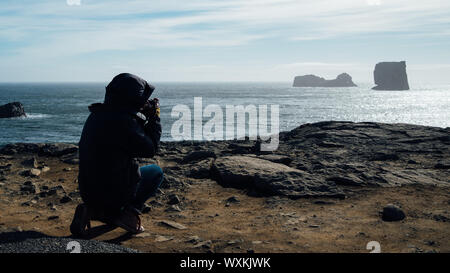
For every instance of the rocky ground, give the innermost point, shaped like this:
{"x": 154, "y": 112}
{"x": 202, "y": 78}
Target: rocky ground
{"x": 325, "y": 189}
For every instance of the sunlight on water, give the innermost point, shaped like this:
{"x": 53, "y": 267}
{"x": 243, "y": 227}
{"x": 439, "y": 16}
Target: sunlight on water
{"x": 57, "y": 111}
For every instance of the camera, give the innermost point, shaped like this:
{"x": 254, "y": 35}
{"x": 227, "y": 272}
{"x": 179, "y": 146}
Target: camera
{"x": 151, "y": 108}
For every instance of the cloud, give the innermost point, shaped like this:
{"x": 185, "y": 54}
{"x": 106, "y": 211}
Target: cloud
{"x": 133, "y": 24}
{"x": 73, "y": 2}
{"x": 48, "y": 31}
{"x": 374, "y": 2}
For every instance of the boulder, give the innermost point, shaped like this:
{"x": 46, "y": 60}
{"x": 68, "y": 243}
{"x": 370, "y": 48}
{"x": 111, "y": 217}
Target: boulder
{"x": 342, "y": 80}
{"x": 12, "y": 110}
{"x": 46, "y": 149}
{"x": 58, "y": 149}
{"x": 390, "y": 76}
{"x": 392, "y": 213}
{"x": 269, "y": 178}
{"x": 197, "y": 156}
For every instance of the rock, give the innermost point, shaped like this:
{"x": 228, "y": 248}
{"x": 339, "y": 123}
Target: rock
{"x": 200, "y": 169}
{"x": 58, "y": 149}
{"x": 31, "y": 173}
{"x": 322, "y": 202}
{"x": 172, "y": 181}
{"x": 204, "y": 244}
{"x": 193, "y": 239}
{"x": 52, "y": 191}
{"x": 6, "y": 167}
{"x": 232, "y": 199}
{"x": 441, "y": 218}
{"x": 347, "y": 180}
{"x": 392, "y": 213}
{"x": 45, "y": 149}
{"x": 146, "y": 209}
{"x": 155, "y": 203}
{"x": 172, "y": 224}
{"x": 142, "y": 235}
{"x": 65, "y": 199}
{"x": 160, "y": 238}
{"x": 173, "y": 199}
{"x": 54, "y": 217}
{"x": 23, "y": 148}
{"x": 45, "y": 169}
{"x": 270, "y": 178}
{"x": 391, "y": 76}
{"x": 173, "y": 208}
{"x": 239, "y": 148}
{"x": 72, "y": 161}
{"x": 32, "y": 162}
{"x": 286, "y": 160}
{"x": 12, "y": 110}
{"x": 342, "y": 80}
{"x": 443, "y": 165}
{"x": 28, "y": 187}
{"x": 197, "y": 156}
{"x": 380, "y": 156}
{"x": 67, "y": 169}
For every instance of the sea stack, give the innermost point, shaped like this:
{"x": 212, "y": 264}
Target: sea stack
{"x": 390, "y": 76}
{"x": 12, "y": 110}
{"x": 342, "y": 80}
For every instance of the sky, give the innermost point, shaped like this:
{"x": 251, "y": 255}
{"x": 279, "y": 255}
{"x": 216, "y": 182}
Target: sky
{"x": 221, "y": 40}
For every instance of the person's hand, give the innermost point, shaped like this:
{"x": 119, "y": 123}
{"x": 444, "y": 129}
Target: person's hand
{"x": 151, "y": 109}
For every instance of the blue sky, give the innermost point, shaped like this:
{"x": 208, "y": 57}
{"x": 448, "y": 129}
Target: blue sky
{"x": 221, "y": 40}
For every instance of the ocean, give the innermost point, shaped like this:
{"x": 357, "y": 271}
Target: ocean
{"x": 57, "y": 111}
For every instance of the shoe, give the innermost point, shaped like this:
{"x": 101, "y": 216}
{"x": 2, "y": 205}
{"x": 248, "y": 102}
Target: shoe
{"x": 81, "y": 220}
{"x": 129, "y": 220}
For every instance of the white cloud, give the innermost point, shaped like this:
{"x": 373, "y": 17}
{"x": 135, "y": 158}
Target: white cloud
{"x": 215, "y": 23}
{"x": 48, "y": 31}
{"x": 374, "y": 2}
{"x": 73, "y": 2}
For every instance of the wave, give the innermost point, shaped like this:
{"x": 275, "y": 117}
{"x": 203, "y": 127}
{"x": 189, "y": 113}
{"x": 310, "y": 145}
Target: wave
{"x": 36, "y": 116}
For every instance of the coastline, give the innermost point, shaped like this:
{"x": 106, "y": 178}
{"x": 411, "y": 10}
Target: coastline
{"x": 326, "y": 183}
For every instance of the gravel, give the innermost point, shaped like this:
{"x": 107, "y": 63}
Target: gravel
{"x": 60, "y": 245}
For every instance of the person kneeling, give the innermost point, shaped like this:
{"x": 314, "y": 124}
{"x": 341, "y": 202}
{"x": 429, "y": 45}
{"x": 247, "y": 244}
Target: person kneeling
{"x": 124, "y": 127}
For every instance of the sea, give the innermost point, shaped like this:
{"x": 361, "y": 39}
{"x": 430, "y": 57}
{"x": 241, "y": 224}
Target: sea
{"x": 56, "y": 112}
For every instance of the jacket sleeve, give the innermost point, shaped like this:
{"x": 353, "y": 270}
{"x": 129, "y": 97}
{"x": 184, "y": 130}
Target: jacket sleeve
{"x": 153, "y": 130}
{"x": 143, "y": 141}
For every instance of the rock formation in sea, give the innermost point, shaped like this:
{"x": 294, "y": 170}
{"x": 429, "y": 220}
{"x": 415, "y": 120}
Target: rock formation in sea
{"x": 342, "y": 80}
{"x": 390, "y": 76}
{"x": 11, "y": 110}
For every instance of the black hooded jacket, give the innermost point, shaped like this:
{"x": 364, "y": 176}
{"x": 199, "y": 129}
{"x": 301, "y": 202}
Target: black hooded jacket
{"x": 112, "y": 137}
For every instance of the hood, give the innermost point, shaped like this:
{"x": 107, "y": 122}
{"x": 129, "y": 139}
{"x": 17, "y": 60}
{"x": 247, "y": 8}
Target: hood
{"x": 128, "y": 91}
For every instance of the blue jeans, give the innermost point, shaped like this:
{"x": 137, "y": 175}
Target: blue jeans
{"x": 151, "y": 178}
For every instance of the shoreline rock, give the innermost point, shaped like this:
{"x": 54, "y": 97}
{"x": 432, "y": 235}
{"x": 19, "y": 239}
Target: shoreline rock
{"x": 324, "y": 159}
{"x": 12, "y": 110}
